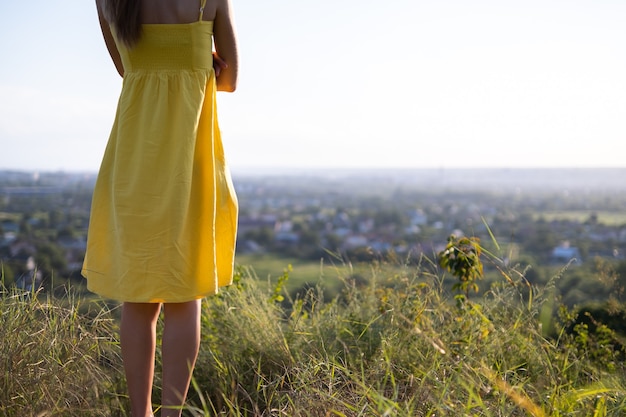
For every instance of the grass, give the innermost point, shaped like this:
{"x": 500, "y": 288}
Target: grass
{"x": 392, "y": 343}
{"x": 56, "y": 360}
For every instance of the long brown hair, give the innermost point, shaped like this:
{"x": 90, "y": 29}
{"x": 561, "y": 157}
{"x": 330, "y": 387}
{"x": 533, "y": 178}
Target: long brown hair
{"x": 125, "y": 16}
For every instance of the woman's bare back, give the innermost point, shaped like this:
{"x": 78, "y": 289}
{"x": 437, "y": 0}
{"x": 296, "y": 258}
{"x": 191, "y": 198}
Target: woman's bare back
{"x": 179, "y": 11}
{"x": 187, "y": 11}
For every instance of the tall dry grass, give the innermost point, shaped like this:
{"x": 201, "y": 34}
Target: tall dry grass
{"x": 58, "y": 357}
{"x": 393, "y": 344}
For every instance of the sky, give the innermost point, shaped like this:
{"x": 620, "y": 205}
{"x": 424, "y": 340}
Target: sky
{"x": 347, "y": 84}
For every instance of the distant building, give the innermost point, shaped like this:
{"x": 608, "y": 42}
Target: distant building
{"x": 356, "y": 241}
{"x": 21, "y": 249}
{"x": 287, "y": 237}
{"x": 31, "y": 279}
{"x": 249, "y": 246}
{"x": 247, "y": 224}
{"x": 566, "y": 253}
{"x": 9, "y": 226}
{"x": 7, "y": 238}
{"x": 418, "y": 218}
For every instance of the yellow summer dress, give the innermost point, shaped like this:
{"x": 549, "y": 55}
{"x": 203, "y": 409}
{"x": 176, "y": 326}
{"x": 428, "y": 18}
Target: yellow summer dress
{"x": 164, "y": 212}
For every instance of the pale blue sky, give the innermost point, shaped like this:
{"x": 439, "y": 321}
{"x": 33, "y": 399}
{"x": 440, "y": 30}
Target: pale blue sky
{"x": 347, "y": 83}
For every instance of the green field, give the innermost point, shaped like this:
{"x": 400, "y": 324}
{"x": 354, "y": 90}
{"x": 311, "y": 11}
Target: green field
{"x": 331, "y": 275}
{"x": 609, "y": 218}
{"x": 9, "y": 216}
{"x": 269, "y": 267}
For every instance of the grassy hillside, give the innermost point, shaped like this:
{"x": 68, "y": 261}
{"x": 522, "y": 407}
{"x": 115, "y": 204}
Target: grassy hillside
{"x": 393, "y": 342}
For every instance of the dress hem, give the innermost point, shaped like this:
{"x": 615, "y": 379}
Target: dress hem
{"x": 153, "y": 300}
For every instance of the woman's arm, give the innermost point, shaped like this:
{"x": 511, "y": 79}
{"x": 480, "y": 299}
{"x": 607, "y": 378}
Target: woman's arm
{"x": 108, "y": 39}
{"x": 226, "y": 46}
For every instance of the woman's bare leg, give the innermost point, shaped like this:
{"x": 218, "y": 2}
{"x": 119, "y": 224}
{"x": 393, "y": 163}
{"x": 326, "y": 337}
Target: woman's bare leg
{"x": 138, "y": 339}
{"x": 181, "y": 341}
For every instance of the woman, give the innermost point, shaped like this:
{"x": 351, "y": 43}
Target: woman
{"x": 164, "y": 212}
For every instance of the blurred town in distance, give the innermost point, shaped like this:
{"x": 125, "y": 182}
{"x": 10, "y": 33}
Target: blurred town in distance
{"x": 543, "y": 218}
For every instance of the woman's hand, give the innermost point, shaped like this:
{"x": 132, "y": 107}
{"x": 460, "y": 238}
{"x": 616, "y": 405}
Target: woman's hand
{"x": 225, "y": 47}
{"x": 218, "y": 64}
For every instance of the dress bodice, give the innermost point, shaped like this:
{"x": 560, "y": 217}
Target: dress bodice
{"x": 163, "y": 47}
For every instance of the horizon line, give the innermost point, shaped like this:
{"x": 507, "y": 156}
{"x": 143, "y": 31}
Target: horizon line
{"x": 283, "y": 169}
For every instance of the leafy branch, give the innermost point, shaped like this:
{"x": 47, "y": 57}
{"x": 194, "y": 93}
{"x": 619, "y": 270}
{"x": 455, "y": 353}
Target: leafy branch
{"x": 461, "y": 258}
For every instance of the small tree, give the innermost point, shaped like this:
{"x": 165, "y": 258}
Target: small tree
{"x": 461, "y": 258}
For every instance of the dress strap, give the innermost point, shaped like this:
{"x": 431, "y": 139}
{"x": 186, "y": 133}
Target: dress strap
{"x": 202, "y": 4}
